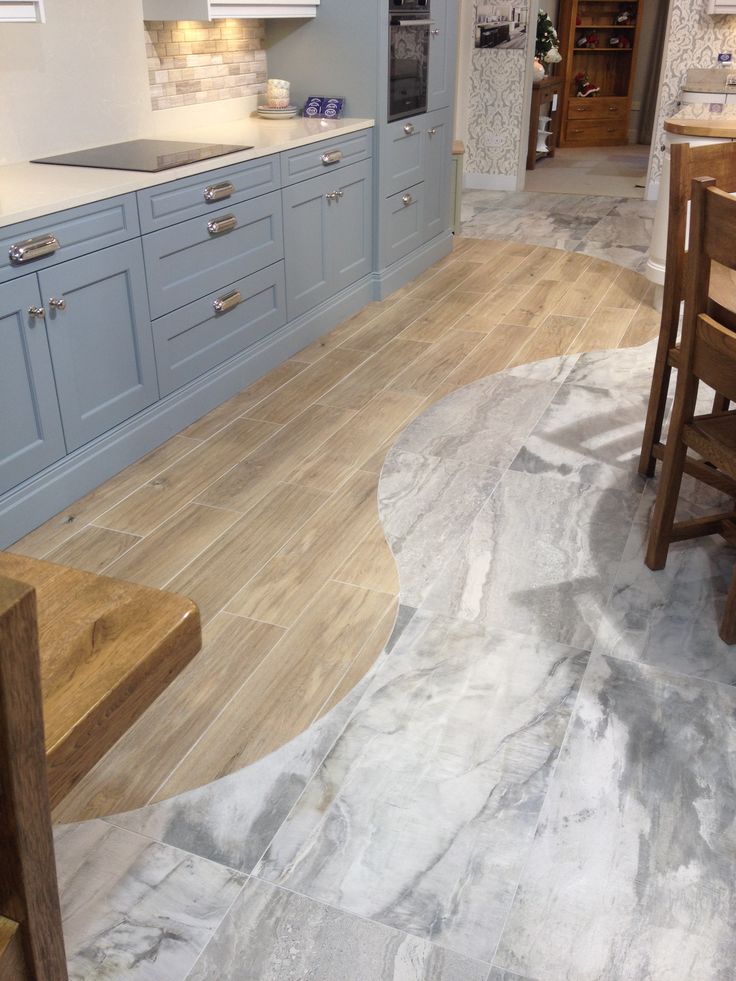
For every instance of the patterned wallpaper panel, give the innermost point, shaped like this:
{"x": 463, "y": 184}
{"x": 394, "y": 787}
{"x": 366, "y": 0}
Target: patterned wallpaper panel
{"x": 695, "y": 39}
{"x": 495, "y": 112}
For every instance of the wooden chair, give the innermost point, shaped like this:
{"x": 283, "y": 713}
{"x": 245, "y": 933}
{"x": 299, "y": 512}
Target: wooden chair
{"x": 707, "y": 354}
{"x": 687, "y": 162}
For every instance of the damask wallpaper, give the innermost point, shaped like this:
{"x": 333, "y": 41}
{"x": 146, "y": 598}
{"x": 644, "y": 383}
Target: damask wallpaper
{"x": 695, "y": 38}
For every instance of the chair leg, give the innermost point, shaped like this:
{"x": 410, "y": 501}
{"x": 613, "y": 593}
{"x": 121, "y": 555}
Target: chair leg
{"x": 663, "y": 517}
{"x": 727, "y": 631}
{"x": 658, "y": 393}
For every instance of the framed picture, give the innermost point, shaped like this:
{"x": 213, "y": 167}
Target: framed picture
{"x": 499, "y": 24}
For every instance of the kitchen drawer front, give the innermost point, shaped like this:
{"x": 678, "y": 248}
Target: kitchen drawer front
{"x": 180, "y": 200}
{"x": 403, "y": 161}
{"x": 197, "y": 338}
{"x": 325, "y": 156}
{"x": 403, "y": 223}
{"x": 78, "y": 231}
{"x": 595, "y": 108}
{"x": 31, "y": 437}
{"x": 596, "y": 132}
{"x": 189, "y": 260}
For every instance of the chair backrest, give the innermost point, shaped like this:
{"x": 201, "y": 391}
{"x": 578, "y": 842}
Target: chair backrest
{"x": 709, "y": 348}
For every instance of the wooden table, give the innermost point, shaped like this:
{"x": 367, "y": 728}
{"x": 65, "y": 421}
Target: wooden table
{"x": 543, "y": 94}
{"x": 108, "y": 648}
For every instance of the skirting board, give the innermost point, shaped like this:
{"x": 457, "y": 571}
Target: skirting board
{"x": 489, "y": 182}
{"x": 28, "y": 505}
{"x": 399, "y": 273}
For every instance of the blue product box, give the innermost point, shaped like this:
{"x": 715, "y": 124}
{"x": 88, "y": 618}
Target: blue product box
{"x": 323, "y": 106}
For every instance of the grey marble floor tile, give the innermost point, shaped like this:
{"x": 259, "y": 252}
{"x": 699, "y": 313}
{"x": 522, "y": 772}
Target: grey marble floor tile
{"x": 631, "y": 257}
{"x": 233, "y": 819}
{"x": 539, "y": 558}
{"x": 134, "y": 909}
{"x": 629, "y": 368}
{"x": 274, "y": 935}
{"x": 669, "y": 619}
{"x": 631, "y": 873}
{"x": 421, "y": 815}
{"x": 498, "y": 974}
{"x": 622, "y": 230}
{"x": 592, "y": 435}
{"x": 425, "y": 505}
{"x": 550, "y": 370}
{"x": 485, "y": 423}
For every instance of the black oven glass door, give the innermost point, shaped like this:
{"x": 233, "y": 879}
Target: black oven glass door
{"x": 408, "y": 63}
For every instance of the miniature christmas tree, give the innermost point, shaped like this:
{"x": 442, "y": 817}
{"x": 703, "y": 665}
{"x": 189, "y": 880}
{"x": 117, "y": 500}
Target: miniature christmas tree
{"x": 547, "y": 48}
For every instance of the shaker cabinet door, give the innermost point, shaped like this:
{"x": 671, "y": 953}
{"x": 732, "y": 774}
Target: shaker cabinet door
{"x": 99, "y": 332}
{"x": 30, "y": 434}
{"x": 351, "y": 227}
{"x": 442, "y": 41}
{"x": 437, "y": 155}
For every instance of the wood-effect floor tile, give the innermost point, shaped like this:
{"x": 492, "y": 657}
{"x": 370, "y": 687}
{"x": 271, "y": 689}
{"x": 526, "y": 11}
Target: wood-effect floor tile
{"x": 288, "y": 690}
{"x": 68, "y": 522}
{"x": 92, "y": 549}
{"x": 455, "y": 275}
{"x": 288, "y": 581}
{"x": 163, "y": 496}
{"x": 427, "y": 371}
{"x": 389, "y": 324}
{"x": 374, "y": 374}
{"x": 216, "y": 575}
{"x": 441, "y": 316}
{"x": 554, "y": 336}
{"x": 604, "y": 329}
{"x": 159, "y": 556}
{"x": 371, "y": 564}
{"x": 232, "y": 648}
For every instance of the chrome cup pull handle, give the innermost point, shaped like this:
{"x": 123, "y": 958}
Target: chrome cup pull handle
{"x": 218, "y": 192}
{"x": 227, "y": 302}
{"x": 33, "y": 248}
{"x": 333, "y": 157}
{"x": 216, "y": 226}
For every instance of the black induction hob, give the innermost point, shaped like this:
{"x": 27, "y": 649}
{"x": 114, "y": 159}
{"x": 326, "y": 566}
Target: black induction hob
{"x": 147, "y": 155}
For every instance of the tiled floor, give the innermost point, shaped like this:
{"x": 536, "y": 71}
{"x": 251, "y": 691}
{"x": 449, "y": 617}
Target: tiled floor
{"x": 616, "y": 171}
{"x": 504, "y": 795}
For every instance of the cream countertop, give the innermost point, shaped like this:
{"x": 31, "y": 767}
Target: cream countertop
{"x": 30, "y": 190}
{"x": 709, "y": 80}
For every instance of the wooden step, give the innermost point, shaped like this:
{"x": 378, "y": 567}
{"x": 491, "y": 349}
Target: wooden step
{"x": 108, "y": 648}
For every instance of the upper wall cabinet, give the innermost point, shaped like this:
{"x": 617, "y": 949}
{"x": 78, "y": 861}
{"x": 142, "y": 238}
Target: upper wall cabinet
{"x": 21, "y": 11}
{"x": 219, "y": 9}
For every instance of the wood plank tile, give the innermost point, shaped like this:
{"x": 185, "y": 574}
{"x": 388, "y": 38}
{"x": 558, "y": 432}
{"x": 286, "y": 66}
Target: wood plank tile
{"x": 628, "y": 290}
{"x": 327, "y": 467}
{"x": 247, "y": 482}
{"x": 494, "y": 353}
{"x": 480, "y": 249}
{"x": 232, "y": 649}
{"x": 644, "y": 326}
{"x": 554, "y": 336}
{"x": 374, "y": 374}
{"x": 390, "y": 324}
{"x": 586, "y": 292}
{"x": 162, "y": 497}
{"x": 521, "y": 249}
{"x": 286, "y": 692}
{"x": 292, "y": 398}
{"x": 366, "y": 658}
{"x": 603, "y": 330}
{"x": 166, "y": 551}
{"x": 286, "y": 583}
{"x": 490, "y": 311}
{"x": 239, "y": 404}
{"x": 536, "y": 302}
{"x": 216, "y": 575}
{"x": 532, "y": 269}
{"x": 340, "y": 334}
{"x": 426, "y": 372}
{"x": 68, "y": 522}
{"x": 92, "y": 549}
{"x": 371, "y": 564}
{"x": 569, "y": 268}
{"x": 441, "y": 316}
{"x": 450, "y": 278}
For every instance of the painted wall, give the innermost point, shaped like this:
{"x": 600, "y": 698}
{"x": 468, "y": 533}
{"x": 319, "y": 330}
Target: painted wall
{"x": 81, "y": 79}
{"x": 694, "y": 40}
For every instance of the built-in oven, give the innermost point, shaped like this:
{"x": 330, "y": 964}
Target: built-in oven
{"x": 408, "y": 57}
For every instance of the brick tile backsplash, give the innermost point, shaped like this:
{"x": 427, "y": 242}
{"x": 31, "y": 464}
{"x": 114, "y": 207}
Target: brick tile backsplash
{"x": 190, "y": 62}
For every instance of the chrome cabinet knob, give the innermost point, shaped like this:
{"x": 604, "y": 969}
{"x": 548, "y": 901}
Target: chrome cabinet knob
{"x": 407, "y": 199}
{"x": 409, "y": 129}
{"x": 57, "y": 304}
{"x": 37, "y": 312}
{"x": 431, "y": 132}
{"x": 435, "y": 32}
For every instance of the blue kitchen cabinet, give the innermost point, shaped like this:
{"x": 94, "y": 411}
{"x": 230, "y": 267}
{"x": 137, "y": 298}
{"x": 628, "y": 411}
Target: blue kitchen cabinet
{"x": 30, "y": 430}
{"x": 442, "y": 45}
{"x": 99, "y": 334}
{"x": 437, "y": 158}
{"x": 327, "y": 235}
